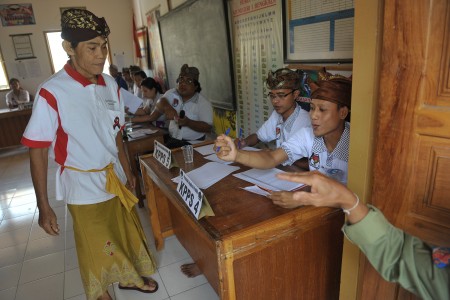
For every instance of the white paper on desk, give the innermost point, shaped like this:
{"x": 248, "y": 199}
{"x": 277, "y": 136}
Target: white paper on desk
{"x": 208, "y": 174}
{"x": 213, "y": 157}
{"x": 131, "y": 101}
{"x": 205, "y": 150}
{"x": 268, "y": 179}
{"x": 141, "y": 132}
{"x": 256, "y": 190}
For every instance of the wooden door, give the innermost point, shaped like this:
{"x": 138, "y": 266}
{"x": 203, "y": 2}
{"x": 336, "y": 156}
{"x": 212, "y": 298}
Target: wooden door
{"x": 411, "y": 182}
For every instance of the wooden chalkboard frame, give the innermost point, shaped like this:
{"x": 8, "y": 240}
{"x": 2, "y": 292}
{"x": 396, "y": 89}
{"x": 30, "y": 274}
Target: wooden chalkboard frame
{"x": 210, "y": 52}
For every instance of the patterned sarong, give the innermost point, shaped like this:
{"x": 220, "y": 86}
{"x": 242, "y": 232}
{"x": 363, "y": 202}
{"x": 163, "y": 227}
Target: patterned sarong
{"x": 111, "y": 244}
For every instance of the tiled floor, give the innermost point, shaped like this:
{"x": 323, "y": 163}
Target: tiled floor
{"x": 37, "y": 266}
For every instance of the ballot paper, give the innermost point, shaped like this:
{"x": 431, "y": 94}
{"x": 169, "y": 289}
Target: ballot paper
{"x": 131, "y": 101}
{"x": 213, "y": 157}
{"x": 141, "y": 132}
{"x": 205, "y": 150}
{"x": 208, "y": 174}
{"x": 267, "y": 179}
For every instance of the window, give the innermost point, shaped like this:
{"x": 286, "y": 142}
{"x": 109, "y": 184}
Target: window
{"x": 58, "y": 57}
{"x": 4, "y": 81}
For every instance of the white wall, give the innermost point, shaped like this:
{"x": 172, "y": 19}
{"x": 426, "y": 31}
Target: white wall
{"x": 118, "y": 14}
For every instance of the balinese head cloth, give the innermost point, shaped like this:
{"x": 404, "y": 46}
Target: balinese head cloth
{"x": 79, "y": 25}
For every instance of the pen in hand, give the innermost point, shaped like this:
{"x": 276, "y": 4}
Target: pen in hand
{"x": 241, "y": 134}
{"x": 226, "y": 133}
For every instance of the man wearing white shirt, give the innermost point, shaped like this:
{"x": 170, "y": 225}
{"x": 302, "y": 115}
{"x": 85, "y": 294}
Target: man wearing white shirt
{"x": 189, "y": 112}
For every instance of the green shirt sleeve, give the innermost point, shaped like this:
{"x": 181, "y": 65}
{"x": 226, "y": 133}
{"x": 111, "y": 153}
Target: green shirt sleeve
{"x": 399, "y": 257}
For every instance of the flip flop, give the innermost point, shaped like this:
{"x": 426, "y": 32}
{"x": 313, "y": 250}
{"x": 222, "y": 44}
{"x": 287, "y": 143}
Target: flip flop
{"x": 146, "y": 282}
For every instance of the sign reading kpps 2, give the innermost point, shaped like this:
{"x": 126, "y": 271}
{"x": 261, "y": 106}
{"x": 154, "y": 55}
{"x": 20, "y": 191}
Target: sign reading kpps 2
{"x": 191, "y": 194}
{"x": 162, "y": 154}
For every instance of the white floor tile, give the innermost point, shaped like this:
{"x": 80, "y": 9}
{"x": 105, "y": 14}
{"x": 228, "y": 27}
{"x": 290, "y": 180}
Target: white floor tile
{"x": 176, "y": 282}
{"x": 8, "y": 294}
{"x": 9, "y": 276}
{"x": 79, "y": 297}
{"x": 21, "y": 200}
{"x": 73, "y": 285}
{"x": 14, "y": 237}
{"x": 18, "y": 211}
{"x": 44, "y": 246}
{"x": 71, "y": 259}
{"x": 160, "y": 294}
{"x": 204, "y": 292}
{"x": 43, "y": 289}
{"x": 4, "y": 203}
{"x": 7, "y": 193}
{"x": 12, "y": 255}
{"x": 41, "y": 267}
{"x": 16, "y": 223}
{"x": 173, "y": 251}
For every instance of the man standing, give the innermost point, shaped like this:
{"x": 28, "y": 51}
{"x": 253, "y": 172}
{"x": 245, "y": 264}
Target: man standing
{"x": 190, "y": 113}
{"x": 78, "y": 114}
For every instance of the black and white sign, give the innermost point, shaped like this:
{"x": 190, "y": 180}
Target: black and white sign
{"x": 191, "y": 194}
{"x": 162, "y": 154}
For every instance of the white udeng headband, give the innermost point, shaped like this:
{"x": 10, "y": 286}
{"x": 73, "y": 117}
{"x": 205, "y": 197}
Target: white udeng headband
{"x": 347, "y": 211}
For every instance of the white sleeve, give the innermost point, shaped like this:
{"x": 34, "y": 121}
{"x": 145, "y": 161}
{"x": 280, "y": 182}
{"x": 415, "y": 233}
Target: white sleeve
{"x": 267, "y": 132}
{"x": 298, "y": 145}
{"x": 43, "y": 124}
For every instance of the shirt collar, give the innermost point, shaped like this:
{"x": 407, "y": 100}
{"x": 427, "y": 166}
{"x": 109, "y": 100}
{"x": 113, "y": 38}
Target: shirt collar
{"x": 291, "y": 119}
{"x": 341, "y": 150}
{"x": 80, "y": 78}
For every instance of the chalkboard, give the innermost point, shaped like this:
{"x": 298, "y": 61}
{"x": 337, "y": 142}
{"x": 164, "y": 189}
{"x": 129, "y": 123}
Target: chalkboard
{"x": 197, "y": 34}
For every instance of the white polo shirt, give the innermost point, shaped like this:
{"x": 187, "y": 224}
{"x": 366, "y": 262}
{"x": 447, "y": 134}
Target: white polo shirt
{"x": 304, "y": 144}
{"x": 280, "y": 131}
{"x": 197, "y": 108}
{"x": 79, "y": 121}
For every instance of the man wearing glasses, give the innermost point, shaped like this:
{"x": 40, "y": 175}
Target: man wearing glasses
{"x": 287, "y": 116}
{"x": 189, "y": 112}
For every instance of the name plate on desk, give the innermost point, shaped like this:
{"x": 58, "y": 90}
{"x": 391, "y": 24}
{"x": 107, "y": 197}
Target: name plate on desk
{"x": 191, "y": 194}
{"x": 162, "y": 154}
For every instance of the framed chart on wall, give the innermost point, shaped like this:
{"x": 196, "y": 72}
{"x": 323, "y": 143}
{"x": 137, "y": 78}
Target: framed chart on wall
{"x": 318, "y": 31}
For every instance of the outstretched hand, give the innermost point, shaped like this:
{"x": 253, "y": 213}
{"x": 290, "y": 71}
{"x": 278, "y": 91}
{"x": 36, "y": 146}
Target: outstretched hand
{"x": 324, "y": 192}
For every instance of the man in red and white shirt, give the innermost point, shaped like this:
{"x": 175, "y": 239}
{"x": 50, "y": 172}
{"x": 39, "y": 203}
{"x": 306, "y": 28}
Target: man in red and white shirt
{"x": 77, "y": 120}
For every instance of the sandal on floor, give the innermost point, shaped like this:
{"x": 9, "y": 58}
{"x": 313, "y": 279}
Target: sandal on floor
{"x": 147, "y": 281}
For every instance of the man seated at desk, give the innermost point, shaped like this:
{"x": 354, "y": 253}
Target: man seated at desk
{"x": 189, "y": 112}
{"x": 325, "y": 143}
{"x": 287, "y": 116}
{"x": 17, "y": 95}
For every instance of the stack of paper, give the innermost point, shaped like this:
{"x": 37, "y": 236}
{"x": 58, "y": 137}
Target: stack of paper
{"x": 208, "y": 174}
{"x": 141, "y": 132}
{"x": 268, "y": 180}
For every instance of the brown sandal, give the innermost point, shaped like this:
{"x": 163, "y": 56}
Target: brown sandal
{"x": 147, "y": 281}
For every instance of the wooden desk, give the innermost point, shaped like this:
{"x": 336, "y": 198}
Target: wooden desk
{"x": 139, "y": 146}
{"x": 12, "y": 126}
{"x": 251, "y": 249}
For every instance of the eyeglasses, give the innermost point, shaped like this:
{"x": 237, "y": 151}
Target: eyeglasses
{"x": 185, "y": 80}
{"x": 279, "y": 95}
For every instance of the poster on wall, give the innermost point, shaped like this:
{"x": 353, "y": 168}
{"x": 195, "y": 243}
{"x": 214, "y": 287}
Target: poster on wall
{"x": 318, "y": 30}
{"x": 17, "y": 14}
{"x": 257, "y": 43}
{"x": 157, "y": 58}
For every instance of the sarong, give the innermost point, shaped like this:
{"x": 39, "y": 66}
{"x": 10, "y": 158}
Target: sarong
{"x": 111, "y": 246}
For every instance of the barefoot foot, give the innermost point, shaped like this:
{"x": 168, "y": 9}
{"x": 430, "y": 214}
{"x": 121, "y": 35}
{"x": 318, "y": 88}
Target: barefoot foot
{"x": 190, "y": 270}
